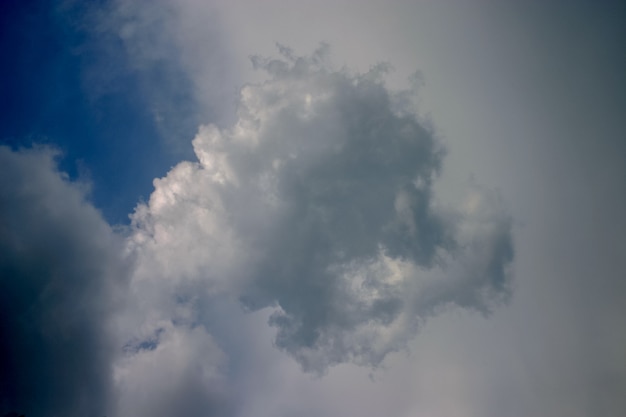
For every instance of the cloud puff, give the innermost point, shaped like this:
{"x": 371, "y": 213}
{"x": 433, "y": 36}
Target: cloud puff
{"x": 61, "y": 269}
{"x": 318, "y": 204}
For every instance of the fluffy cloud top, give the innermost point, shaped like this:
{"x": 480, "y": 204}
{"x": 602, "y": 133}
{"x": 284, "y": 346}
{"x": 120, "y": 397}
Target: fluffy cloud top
{"x": 318, "y": 204}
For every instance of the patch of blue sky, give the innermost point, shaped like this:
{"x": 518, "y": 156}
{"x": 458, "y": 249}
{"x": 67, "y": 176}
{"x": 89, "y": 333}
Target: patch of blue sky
{"x": 66, "y": 86}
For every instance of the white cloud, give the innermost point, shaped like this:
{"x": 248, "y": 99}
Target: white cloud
{"x": 318, "y": 204}
{"x": 177, "y": 371}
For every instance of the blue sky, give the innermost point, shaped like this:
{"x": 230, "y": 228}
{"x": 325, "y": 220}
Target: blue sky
{"x": 73, "y": 88}
{"x": 312, "y": 208}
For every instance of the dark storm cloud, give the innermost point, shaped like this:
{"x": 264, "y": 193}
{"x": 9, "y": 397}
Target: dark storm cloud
{"x": 60, "y": 272}
{"x": 318, "y": 203}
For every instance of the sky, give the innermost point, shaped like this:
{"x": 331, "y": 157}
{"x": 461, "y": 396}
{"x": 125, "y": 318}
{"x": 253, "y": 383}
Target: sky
{"x": 297, "y": 208}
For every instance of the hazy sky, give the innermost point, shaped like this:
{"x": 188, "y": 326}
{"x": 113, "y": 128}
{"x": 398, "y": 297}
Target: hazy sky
{"x": 313, "y": 208}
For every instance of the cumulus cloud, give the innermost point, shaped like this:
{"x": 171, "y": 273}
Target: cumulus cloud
{"x": 318, "y": 204}
{"x": 315, "y": 209}
{"x": 61, "y": 269}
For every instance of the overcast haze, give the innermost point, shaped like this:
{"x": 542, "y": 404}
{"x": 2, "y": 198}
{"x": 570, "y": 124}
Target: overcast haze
{"x": 329, "y": 208}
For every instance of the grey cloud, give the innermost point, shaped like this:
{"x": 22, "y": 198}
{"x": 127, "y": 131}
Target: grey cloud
{"x": 69, "y": 298}
{"x": 318, "y": 203}
{"x": 60, "y": 276}
{"x": 180, "y": 372}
